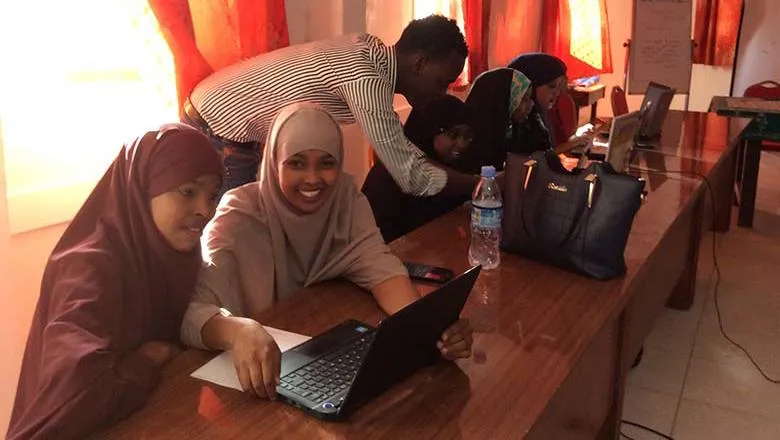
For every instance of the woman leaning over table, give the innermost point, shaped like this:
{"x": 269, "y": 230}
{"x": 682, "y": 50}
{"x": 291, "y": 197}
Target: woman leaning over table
{"x": 116, "y": 287}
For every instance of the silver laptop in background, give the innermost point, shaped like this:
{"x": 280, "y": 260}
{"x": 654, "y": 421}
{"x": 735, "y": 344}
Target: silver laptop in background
{"x": 622, "y": 138}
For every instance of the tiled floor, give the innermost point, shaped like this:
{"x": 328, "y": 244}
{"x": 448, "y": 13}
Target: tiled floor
{"x": 692, "y": 383}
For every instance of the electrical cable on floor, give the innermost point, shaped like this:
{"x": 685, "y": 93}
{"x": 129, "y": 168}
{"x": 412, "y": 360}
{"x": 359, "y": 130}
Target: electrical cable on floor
{"x": 715, "y": 294}
{"x": 637, "y": 425}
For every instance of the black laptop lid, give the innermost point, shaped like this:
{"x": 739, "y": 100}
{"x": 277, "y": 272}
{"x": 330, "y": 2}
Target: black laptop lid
{"x": 655, "y": 105}
{"x": 406, "y": 341}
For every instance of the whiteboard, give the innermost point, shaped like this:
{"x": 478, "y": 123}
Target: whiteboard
{"x": 660, "y": 48}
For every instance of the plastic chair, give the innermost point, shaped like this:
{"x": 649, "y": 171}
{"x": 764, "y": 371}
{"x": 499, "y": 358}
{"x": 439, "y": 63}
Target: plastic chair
{"x": 568, "y": 113}
{"x": 765, "y": 89}
{"x": 563, "y": 117}
{"x": 618, "y": 101}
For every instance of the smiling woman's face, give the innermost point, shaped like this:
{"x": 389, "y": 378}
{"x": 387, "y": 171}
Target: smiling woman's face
{"x": 307, "y": 179}
{"x": 181, "y": 214}
{"x": 451, "y": 144}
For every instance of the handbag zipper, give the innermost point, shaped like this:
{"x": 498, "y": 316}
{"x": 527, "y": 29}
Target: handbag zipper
{"x": 591, "y": 179}
{"x": 530, "y": 164}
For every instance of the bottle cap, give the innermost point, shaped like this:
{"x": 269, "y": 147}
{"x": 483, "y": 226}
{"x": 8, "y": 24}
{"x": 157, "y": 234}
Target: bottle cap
{"x": 488, "y": 171}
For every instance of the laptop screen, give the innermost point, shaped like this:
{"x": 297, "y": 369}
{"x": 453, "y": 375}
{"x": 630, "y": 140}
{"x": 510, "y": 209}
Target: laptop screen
{"x": 656, "y": 103}
{"x": 621, "y": 139}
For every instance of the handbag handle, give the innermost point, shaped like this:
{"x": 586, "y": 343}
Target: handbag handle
{"x": 591, "y": 179}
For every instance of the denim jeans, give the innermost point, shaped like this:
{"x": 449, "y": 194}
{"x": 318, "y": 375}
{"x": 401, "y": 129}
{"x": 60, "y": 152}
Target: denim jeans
{"x": 241, "y": 164}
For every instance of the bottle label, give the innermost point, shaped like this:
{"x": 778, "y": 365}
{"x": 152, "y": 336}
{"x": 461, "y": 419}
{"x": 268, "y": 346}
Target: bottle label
{"x": 486, "y": 217}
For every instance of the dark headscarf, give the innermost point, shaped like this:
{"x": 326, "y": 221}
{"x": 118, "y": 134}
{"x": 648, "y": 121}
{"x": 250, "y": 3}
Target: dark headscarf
{"x": 397, "y": 213}
{"x": 112, "y": 283}
{"x": 492, "y": 97}
{"x": 541, "y": 69}
{"x": 440, "y": 115}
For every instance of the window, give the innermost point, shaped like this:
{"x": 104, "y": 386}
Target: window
{"x": 85, "y": 77}
{"x": 577, "y": 32}
{"x": 586, "y": 41}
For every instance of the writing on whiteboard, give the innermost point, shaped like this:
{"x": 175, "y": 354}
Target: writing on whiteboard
{"x": 661, "y": 45}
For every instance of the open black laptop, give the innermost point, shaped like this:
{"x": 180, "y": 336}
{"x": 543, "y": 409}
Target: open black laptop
{"x": 655, "y": 106}
{"x": 654, "y": 109}
{"x": 333, "y": 373}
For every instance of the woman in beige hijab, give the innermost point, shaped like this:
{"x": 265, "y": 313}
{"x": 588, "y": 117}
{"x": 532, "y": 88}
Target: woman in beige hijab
{"x": 304, "y": 222}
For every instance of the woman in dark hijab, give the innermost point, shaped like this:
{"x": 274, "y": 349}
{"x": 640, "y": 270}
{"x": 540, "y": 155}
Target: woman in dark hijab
{"x": 443, "y": 130}
{"x": 116, "y": 287}
{"x": 548, "y": 78}
{"x": 501, "y": 99}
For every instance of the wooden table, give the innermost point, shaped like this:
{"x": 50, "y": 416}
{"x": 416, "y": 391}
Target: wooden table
{"x": 552, "y": 349}
{"x": 748, "y": 160}
{"x": 754, "y": 126}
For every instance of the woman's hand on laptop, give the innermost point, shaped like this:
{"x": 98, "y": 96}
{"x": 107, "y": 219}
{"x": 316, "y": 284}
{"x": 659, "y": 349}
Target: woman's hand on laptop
{"x": 456, "y": 341}
{"x": 257, "y": 360}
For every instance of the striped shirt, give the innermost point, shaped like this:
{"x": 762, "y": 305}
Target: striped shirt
{"x": 352, "y": 77}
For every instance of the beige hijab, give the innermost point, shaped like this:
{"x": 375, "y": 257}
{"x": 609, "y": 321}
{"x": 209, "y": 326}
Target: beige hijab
{"x": 258, "y": 250}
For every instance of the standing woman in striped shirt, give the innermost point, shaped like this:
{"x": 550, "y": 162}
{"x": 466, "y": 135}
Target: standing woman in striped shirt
{"x": 354, "y": 79}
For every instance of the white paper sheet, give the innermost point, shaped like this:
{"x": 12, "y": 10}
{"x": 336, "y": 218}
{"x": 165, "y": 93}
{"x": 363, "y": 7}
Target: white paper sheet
{"x": 221, "y": 370}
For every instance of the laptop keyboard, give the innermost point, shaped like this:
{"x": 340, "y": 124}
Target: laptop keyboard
{"x": 328, "y": 376}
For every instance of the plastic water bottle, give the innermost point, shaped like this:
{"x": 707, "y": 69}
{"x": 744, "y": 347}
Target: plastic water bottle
{"x": 486, "y": 212}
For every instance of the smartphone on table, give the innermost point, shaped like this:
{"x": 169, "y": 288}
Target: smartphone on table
{"x": 432, "y": 274}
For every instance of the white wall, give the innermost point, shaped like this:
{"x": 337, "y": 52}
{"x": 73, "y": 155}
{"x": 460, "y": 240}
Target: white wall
{"x": 758, "y": 56}
{"x": 310, "y": 20}
{"x": 5, "y": 232}
{"x": 387, "y": 18}
{"x": 9, "y": 368}
{"x": 706, "y": 81}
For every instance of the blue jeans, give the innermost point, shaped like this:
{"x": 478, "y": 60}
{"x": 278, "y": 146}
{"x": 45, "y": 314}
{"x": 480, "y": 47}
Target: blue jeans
{"x": 241, "y": 162}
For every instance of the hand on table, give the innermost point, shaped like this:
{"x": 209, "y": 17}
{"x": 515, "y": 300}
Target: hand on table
{"x": 257, "y": 359}
{"x": 456, "y": 341}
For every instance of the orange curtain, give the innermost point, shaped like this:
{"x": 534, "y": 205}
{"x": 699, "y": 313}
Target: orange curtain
{"x": 715, "y": 31}
{"x": 476, "y": 18}
{"x": 207, "y": 35}
{"x": 577, "y": 32}
{"x": 507, "y": 39}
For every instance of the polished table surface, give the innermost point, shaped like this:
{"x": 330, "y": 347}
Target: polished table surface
{"x": 550, "y": 350}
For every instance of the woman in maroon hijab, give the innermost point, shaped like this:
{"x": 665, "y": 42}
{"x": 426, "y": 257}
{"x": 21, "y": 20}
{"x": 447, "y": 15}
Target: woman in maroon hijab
{"x": 116, "y": 287}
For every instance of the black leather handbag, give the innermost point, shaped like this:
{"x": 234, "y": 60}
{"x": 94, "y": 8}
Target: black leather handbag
{"x": 577, "y": 221}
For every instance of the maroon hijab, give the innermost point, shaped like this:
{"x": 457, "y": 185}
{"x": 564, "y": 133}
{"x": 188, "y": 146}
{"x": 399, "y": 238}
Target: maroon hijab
{"x": 111, "y": 284}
